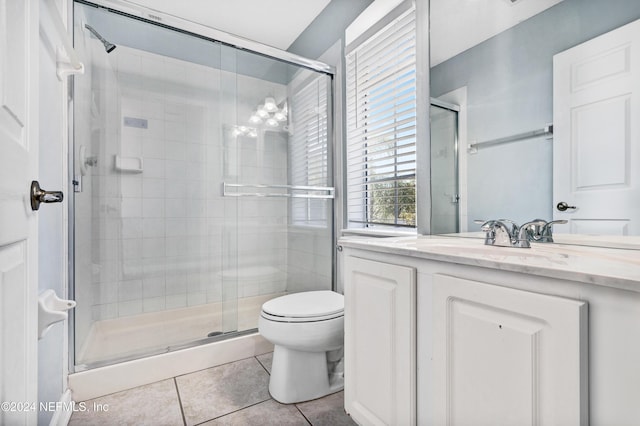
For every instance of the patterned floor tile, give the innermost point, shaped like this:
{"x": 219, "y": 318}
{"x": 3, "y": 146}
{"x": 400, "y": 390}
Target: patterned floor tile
{"x": 153, "y": 404}
{"x": 221, "y": 390}
{"x": 327, "y": 411}
{"x": 266, "y": 413}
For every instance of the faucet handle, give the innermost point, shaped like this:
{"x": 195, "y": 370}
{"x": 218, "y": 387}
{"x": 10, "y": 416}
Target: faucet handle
{"x": 548, "y": 225}
{"x": 487, "y": 226}
{"x": 498, "y": 233}
{"x": 546, "y": 234}
{"x": 514, "y": 227}
{"x": 525, "y": 233}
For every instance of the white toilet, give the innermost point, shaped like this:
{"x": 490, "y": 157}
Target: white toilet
{"x": 307, "y": 330}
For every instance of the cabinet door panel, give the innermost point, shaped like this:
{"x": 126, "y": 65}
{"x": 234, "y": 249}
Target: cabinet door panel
{"x": 505, "y": 356}
{"x": 379, "y": 342}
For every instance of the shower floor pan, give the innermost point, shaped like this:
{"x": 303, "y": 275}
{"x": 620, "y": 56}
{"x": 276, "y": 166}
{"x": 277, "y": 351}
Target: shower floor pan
{"x": 156, "y": 332}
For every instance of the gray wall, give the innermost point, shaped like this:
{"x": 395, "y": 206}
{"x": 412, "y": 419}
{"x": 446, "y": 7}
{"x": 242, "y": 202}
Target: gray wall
{"x": 328, "y": 27}
{"x": 509, "y": 81}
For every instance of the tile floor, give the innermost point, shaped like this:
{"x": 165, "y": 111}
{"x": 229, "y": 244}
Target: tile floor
{"x": 230, "y": 394}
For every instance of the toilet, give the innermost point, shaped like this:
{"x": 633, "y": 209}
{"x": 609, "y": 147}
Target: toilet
{"x": 307, "y": 331}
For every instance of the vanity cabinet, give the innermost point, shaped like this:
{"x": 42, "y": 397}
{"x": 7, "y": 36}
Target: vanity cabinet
{"x": 506, "y": 356}
{"x": 380, "y": 342}
{"x": 444, "y": 331}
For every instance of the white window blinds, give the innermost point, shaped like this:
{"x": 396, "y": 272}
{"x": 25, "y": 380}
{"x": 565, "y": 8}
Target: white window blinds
{"x": 309, "y": 151}
{"x": 381, "y": 127}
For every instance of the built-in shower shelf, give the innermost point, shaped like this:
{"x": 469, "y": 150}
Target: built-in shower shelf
{"x": 128, "y": 164}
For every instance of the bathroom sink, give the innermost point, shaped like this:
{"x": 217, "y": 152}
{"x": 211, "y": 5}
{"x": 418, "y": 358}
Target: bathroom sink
{"x": 472, "y": 248}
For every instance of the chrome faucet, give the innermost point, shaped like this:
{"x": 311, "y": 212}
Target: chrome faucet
{"x": 544, "y": 234}
{"x": 499, "y": 234}
{"x": 524, "y": 233}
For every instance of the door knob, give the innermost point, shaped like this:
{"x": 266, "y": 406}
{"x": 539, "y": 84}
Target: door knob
{"x": 39, "y": 195}
{"x": 562, "y": 206}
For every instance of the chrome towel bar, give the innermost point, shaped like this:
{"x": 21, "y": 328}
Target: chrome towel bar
{"x": 290, "y": 191}
{"x": 546, "y": 131}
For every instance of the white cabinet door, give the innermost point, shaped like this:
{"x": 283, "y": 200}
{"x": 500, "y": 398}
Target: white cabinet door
{"x": 380, "y": 342}
{"x": 596, "y": 147}
{"x": 507, "y": 357}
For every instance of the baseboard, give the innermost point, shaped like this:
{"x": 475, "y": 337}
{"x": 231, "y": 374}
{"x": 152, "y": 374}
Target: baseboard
{"x": 102, "y": 381}
{"x": 64, "y": 411}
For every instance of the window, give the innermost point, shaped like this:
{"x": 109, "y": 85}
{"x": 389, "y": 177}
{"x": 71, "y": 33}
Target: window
{"x": 381, "y": 127}
{"x": 309, "y": 149}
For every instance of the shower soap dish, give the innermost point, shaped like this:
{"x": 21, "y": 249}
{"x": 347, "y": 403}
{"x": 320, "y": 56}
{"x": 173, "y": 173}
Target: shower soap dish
{"x": 51, "y": 309}
{"x": 128, "y": 164}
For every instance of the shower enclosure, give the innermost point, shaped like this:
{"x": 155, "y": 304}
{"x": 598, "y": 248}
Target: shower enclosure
{"x": 202, "y": 183}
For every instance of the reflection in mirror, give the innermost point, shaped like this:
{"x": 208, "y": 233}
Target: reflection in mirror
{"x": 548, "y": 93}
{"x": 444, "y": 168}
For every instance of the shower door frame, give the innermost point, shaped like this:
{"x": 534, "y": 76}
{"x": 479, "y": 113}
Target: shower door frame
{"x": 174, "y": 23}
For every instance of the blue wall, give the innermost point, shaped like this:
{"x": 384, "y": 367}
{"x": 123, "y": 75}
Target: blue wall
{"x": 328, "y": 27}
{"x": 509, "y": 81}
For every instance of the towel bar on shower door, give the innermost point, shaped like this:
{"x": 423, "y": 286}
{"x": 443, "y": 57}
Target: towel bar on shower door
{"x": 312, "y": 191}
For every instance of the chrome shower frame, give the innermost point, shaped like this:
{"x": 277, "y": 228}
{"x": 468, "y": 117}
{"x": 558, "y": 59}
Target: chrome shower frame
{"x": 168, "y": 21}
{"x": 202, "y": 31}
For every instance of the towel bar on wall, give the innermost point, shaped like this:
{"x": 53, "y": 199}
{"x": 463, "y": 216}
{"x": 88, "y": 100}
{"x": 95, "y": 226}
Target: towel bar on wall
{"x": 546, "y": 131}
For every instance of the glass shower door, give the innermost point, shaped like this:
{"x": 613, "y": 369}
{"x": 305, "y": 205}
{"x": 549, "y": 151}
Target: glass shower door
{"x": 444, "y": 171}
{"x": 277, "y": 153}
{"x": 148, "y": 229}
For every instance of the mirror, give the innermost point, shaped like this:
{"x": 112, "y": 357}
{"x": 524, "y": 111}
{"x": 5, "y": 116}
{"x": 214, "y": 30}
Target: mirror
{"x": 494, "y": 59}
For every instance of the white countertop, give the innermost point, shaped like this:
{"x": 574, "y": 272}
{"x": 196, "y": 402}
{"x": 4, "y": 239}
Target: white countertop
{"x": 617, "y": 268}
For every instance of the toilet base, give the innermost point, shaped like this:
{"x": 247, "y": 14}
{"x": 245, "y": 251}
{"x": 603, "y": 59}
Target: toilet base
{"x": 301, "y": 376}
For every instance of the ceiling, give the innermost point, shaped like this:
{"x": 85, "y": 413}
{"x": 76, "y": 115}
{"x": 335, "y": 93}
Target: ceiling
{"x": 274, "y": 22}
{"x": 457, "y": 25}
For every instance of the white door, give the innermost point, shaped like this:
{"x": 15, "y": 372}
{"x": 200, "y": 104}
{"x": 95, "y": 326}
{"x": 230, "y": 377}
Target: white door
{"x": 18, "y": 224}
{"x": 596, "y": 156}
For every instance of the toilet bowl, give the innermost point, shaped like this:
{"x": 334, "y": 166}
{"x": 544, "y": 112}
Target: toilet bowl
{"x": 307, "y": 331}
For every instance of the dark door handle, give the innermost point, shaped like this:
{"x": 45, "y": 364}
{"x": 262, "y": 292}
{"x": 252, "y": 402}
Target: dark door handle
{"x": 39, "y": 195}
{"x": 562, "y": 206}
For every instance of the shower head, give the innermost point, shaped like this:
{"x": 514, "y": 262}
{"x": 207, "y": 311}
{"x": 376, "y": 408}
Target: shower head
{"x": 107, "y": 46}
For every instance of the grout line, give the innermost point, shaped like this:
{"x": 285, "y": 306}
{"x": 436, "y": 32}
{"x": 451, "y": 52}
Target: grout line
{"x": 184, "y": 419}
{"x": 262, "y": 365}
{"x": 215, "y": 366}
{"x": 300, "y": 411}
{"x": 232, "y": 412}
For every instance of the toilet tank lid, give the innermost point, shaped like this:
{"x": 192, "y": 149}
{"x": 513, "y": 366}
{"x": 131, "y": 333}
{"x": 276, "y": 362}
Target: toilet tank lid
{"x": 305, "y": 305}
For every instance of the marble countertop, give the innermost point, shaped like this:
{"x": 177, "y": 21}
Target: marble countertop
{"x": 617, "y": 268}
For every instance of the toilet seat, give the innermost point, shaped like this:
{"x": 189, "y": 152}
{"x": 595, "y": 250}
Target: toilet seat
{"x": 309, "y": 306}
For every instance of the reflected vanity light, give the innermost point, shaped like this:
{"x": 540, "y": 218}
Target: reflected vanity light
{"x": 261, "y": 112}
{"x": 269, "y": 113}
{"x": 270, "y": 104}
{"x": 272, "y": 122}
{"x": 252, "y": 132}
